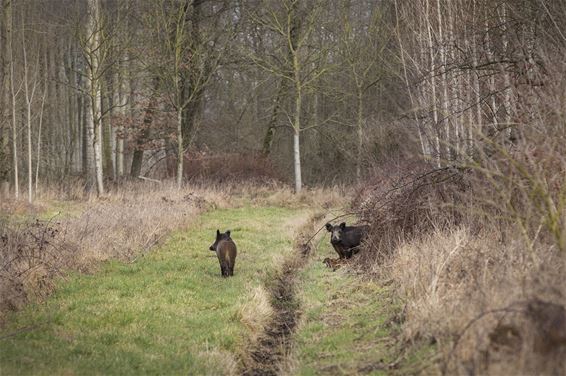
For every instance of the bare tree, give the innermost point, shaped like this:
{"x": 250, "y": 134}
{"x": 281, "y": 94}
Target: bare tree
{"x": 362, "y": 44}
{"x": 30, "y": 86}
{"x": 293, "y": 22}
{"x": 188, "y": 59}
{"x": 5, "y": 36}
{"x": 10, "y": 38}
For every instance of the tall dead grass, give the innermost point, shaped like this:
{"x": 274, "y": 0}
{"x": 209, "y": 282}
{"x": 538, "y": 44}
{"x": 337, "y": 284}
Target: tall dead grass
{"x": 121, "y": 226}
{"x": 477, "y": 255}
{"x": 476, "y": 298}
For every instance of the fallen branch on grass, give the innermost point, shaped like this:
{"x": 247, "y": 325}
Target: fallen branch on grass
{"x": 149, "y": 179}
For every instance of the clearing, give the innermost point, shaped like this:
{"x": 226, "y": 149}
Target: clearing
{"x": 170, "y": 312}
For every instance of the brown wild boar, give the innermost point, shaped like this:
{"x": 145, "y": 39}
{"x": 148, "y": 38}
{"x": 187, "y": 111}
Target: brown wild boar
{"x": 225, "y": 249}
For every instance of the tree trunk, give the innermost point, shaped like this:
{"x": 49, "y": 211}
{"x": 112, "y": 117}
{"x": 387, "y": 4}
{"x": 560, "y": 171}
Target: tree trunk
{"x": 477, "y": 88}
{"x": 360, "y": 132}
{"x": 180, "y": 148}
{"x": 29, "y": 100}
{"x": 113, "y": 128}
{"x": 508, "y": 91}
{"x": 270, "y": 133}
{"x": 436, "y": 129}
{"x": 38, "y": 148}
{"x": 445, "y": 102}
{"x": 5, "y": 35}
{"x": 297, "y": 125}
{"x": 124, "y": 111}
{"x": 107, "y": 132}
{"x": 94, "y": 123}
{"x": 491, "y": 79}
{"x": 98, "y": 143}
{"x": 145, "y": 133}
{"x": 30, "y": 169}
{"x": 457, "y": 89}
{"x": 88, "y": 142}
{"x": 297, "y": 161}
{"x": 97, "y": 98}
{"x": 8, "y": 10}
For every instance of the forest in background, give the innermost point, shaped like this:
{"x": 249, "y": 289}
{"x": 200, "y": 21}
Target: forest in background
{"x": 324, "y": 91}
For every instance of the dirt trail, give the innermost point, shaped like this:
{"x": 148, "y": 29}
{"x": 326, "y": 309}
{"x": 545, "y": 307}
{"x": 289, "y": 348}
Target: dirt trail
{"x": 267, "y": 356}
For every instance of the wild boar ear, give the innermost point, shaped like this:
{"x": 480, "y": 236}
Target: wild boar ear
{"x": 342, "y": 225}
{"x": 217, "y": 232}
{"x": 328, "y": 226}
{"x": 228, "y": 232}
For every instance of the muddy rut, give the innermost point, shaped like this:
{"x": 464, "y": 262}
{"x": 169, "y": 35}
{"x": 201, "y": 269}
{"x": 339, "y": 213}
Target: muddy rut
{"x": 267, "y": 356}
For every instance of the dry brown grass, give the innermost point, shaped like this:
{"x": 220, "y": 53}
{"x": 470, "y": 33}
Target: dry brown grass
{"x": 471, "y": 295}
{"x": 121, "y": 226}
{"x": 256, "y": 312}
{"x": 477, "y": 255}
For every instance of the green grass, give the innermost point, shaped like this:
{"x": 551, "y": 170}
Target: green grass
{"x": 168, "y": 313}
{"x": 346, "y": 326}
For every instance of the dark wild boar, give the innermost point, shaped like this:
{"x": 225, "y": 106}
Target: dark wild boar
{"x": 225, "y": 249}
{"x": 346, "y": 239}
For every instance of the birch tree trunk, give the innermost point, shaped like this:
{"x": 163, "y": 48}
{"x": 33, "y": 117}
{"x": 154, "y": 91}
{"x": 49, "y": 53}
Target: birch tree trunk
{"x": 107, "y": 128}
{"x": 10, "y": 38}
{"x": 457, "y": 89}
{"x": 179, "y": 147}
{"x": 29, "y": 99}
{"x": 114, "y": 130}
{"x": 38, "y": 148}
{"x": 443, "y": 77}
{"x": 491, "y": 80}
{"x": 359, "y": 130}
{"x": 508, "y": 91}
{"x": 98, "y": 142}
{"x": 477, "y": 89}
{"x": 30, "y": 169}
{"x": 124, "y": 92}
{"x": 297, "y": 122}
{"x": 424, "y": 148}
{"x": 88, "y": 142}
{"x": 433, "y": 85}
{"x": 5, "y": 35}
{"x": 94, "y": 128}
{"x": 297, "y": 161}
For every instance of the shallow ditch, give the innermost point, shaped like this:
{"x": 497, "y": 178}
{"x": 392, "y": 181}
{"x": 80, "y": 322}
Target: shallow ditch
{"x": 267, "y": 356}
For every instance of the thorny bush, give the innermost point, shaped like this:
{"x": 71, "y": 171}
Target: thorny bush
{"x": 32, "y": 254}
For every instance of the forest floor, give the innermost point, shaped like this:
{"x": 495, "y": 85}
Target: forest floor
{"x": 170, "y": 312}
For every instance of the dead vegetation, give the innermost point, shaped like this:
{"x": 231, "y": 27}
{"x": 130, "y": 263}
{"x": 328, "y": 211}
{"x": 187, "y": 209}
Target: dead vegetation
{"x": 477, "y": 255}
{"x": 124, "y": 226}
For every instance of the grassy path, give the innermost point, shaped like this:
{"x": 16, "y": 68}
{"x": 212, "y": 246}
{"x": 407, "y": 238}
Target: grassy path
{"x": 349, "y": 324}
{"x": 171, "y": 313}
{"x": 168, "y": 313}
